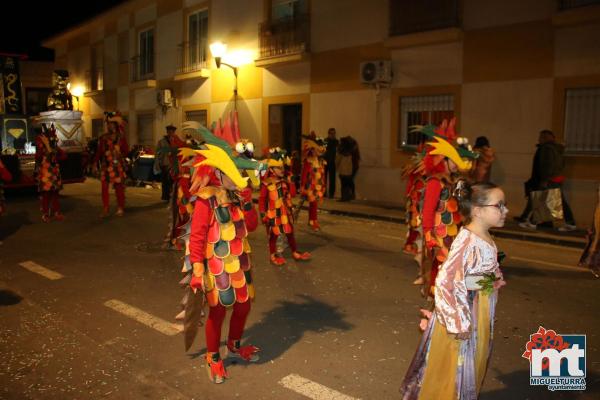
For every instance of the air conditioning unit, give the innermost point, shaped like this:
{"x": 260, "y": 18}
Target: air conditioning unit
{"x": 164, "y": 97}
{"x": 377, "y": 71}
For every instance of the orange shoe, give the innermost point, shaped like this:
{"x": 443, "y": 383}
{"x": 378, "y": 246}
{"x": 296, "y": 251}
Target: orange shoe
{"x": 314, "y": 224}
{"x": 246, "y": 353}
{"x": 45, "y": 218}
{"x": 276, "y": 259}
{"x": 301, "y": 256}
{"x": 120, "y": 212}
{"x": 105, "y": 213}
{"x": 59, "y": 217}
{"x": 215, "y": 368}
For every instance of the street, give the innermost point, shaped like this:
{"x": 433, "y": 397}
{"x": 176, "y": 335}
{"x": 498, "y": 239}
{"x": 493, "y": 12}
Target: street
{"x": 87, "y": 308}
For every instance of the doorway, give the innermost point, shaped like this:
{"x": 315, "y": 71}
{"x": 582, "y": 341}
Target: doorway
{"x": 285, "y": 126}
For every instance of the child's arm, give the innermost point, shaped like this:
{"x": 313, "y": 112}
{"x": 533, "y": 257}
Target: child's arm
{"x": 250, "y": 215}
{"x": 451, "y": 304}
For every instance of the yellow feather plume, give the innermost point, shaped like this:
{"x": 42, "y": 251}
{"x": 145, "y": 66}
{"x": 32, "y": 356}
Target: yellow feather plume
{"x": 219, "y": 159}
{"x": 443, "y": 148}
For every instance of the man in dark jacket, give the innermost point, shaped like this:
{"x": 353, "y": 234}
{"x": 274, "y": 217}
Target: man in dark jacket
{"x": 163, "y": 161}
{"x": 330, "y": 156}
{"x": 546, "y": 173}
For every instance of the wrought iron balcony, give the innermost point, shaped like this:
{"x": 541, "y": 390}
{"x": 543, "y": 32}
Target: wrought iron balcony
{"x": 409, "y": 16}
{"x": 569, "y": 4}
{"x": 142, "y": 68}
{"x": 285, "y": 36}
{"x": 192, "y": 56}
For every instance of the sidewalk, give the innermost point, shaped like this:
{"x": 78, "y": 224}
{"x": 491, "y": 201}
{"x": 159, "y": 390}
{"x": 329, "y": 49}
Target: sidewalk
{"x": 395, "y": 214}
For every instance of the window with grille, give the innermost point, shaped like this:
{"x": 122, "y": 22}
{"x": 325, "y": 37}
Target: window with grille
{"x": 146, "y": 66}
{"x": 198, "y": 116}
{"x": 287, "y": 8}
{"x": 145, "y": 126}
{"x": 97, "y": 127}
{"x": 197, "y": 37}
{"x": 582, "y": 120}
{"x": 422, "y": 110}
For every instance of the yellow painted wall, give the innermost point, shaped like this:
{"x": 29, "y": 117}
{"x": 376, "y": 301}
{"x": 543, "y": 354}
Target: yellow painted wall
{"x": 577, "y": 50}
{"x": 338, "y": 70}
{"x": 521, "y": 51}
{"x": 439, "y": 64}
{"x": 286, "y": 79}
{"x": 348, "y": 23}
{"x": 479, "y": 14}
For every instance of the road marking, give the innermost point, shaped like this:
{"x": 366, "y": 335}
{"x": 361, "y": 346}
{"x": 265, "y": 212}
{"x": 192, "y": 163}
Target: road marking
{"x": 311, "y": 389}
{"x": 551, "y": 264}
{"x": 38, "y": 269}
{"x": 391, "y": 237}
{"x": 143, "y": 317}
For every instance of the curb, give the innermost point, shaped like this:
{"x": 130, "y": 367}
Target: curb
{"x": 501, "y": 233}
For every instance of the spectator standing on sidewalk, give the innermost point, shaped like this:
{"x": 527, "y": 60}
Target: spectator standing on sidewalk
{"x": 483, "y": 163}
{"x": 547, "y": 173}
{"x": 343, "y": 164}
{"x": 330, "y": 156}
{"x": 163, "y": 161}
{"x": 355, "y": 165}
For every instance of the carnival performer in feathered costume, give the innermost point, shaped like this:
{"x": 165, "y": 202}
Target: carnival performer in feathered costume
{"x": 47, "y": 157}
{"x": 111, "y": 154}
{"x": 181, "y": 205}
{"x": 5, "y": 176}
{"x": 415, "y": 186}
{"x": 313, "y": 182}
{"x": 276, "y": 208}
{"x": 217, "y": 262}
{"x": 447, "y": 157}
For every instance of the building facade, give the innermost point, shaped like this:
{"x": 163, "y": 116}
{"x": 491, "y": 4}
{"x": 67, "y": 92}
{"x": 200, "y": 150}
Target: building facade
{"x": 506, "y": 69}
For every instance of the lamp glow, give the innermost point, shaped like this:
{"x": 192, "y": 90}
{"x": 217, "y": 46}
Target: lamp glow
{"x": 218, "y": 49}
{"x": 77, "y": 91}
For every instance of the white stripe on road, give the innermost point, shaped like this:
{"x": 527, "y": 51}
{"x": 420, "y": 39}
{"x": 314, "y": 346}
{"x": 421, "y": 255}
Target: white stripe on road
{"x": 143, "y": 317}
{"x": 311, "y": 389}
{"x": 38, "y": 269}
{"x": 551, "y": 264}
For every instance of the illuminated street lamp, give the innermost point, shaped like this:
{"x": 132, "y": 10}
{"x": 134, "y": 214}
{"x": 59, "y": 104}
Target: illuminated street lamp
{"x": 76, "y": 92}
{"x": 218, "y": 50}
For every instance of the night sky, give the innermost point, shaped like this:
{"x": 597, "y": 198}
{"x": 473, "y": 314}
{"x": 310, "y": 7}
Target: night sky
{"x": 32, "y": 22}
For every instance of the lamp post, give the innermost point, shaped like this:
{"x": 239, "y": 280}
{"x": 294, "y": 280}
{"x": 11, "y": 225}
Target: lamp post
{"x": 77, "y": 92}
{"x": 218, "y": 50}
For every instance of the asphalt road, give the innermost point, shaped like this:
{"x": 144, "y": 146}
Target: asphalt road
{"x": 343, "y": 324}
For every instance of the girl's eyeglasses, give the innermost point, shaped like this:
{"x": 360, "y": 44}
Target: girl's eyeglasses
{"x": 500, "y": 206}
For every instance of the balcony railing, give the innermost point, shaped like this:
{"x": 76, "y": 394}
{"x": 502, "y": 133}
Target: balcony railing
{"x": 192, "y": 56}
{"x": 569, "y": 4}
{"x": 285, "y": 36}
{"x": 409, "y": 16}
{"x": 142, "y": 68}
{"x": 95, "y": 79}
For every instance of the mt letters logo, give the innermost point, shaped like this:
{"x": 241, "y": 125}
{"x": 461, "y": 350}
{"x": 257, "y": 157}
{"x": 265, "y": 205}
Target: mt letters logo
{"x": 556, "y": 361}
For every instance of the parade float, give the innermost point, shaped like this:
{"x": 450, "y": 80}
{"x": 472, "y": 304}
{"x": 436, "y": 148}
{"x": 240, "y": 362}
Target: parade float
{"x": 18, "y": 129}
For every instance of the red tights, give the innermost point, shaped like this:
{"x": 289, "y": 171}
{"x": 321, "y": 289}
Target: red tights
{"x": 48, "y": 198}
{"x": 119, "y": 191}
{"x": 312, "y": 211}
{"x": 273, "y": 242}
{"x": 216, "y": 315}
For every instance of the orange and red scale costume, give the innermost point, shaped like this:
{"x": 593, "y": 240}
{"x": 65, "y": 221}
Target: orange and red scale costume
{"x": 47, "y": 157}
{"x": 313, "y": 181}
{"x": 111, "y": 153}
